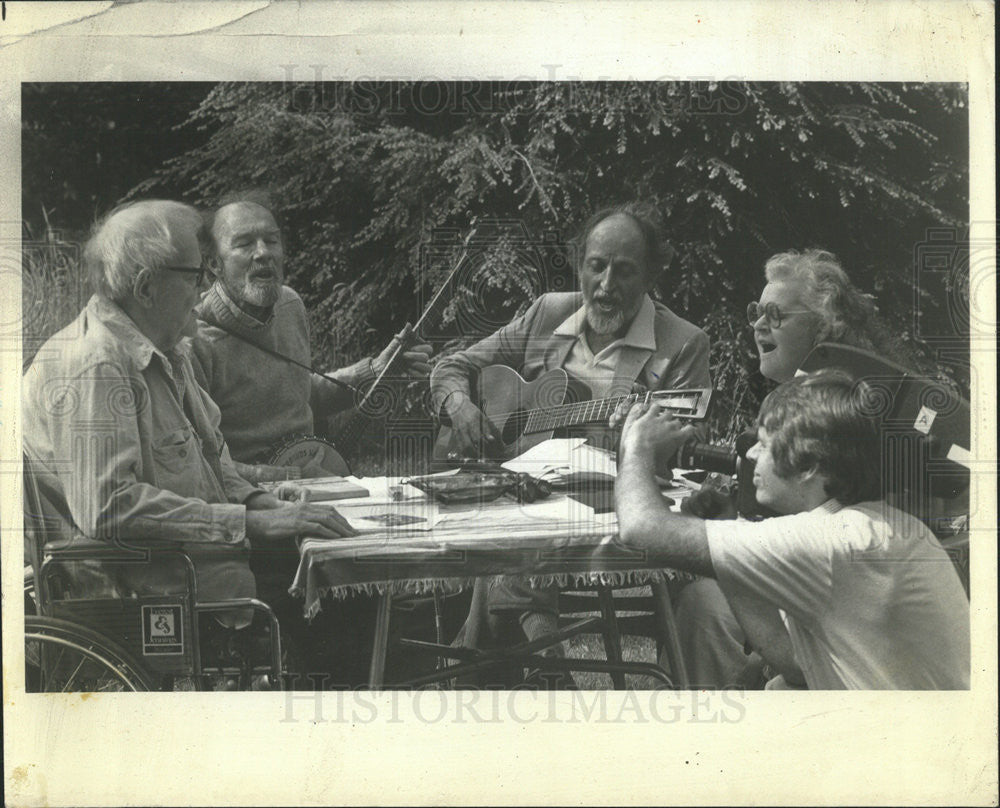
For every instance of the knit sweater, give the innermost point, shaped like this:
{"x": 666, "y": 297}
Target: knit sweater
{"x": 263, "y": 399}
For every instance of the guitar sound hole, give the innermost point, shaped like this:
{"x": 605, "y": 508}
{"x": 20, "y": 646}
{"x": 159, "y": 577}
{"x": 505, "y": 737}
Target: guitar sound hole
{"x": 514, "y": 427}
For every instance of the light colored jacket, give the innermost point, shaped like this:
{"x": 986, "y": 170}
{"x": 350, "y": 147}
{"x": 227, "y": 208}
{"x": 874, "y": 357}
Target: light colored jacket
{"x": 529, "y": 346}
{"x": 126, "y": 448}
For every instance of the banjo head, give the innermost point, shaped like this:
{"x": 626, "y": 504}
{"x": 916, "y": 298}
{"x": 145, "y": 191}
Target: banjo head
{"x": 299, "y": 451}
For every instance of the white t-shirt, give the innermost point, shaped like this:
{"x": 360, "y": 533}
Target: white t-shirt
{"x": 869, "y": 597}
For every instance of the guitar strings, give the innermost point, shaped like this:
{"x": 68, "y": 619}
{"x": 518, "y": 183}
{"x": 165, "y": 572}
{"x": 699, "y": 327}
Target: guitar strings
{"x": 602, "y": 408}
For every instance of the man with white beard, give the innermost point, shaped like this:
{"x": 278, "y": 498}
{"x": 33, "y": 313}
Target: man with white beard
{"x": 611, "y": 336}
{"x": 249, "y": 326}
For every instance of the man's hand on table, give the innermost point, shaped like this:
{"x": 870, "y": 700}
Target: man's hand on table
{"x": 291, "y": 492}
{"x": 270, "y": 519}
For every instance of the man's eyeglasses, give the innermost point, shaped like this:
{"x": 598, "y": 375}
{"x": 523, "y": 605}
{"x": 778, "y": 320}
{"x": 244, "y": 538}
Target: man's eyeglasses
{"x": 771, "y": 311}
{"x": 199, "y": 271}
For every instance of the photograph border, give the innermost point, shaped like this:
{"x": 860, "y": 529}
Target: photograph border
{"x": 436, "y": 748}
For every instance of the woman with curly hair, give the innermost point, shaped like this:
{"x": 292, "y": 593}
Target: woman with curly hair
{"x": 808, "y": 299}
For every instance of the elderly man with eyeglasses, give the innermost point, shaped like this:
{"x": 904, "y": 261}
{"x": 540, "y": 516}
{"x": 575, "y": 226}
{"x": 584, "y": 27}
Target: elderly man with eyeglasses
{"x": 125, "y": 444}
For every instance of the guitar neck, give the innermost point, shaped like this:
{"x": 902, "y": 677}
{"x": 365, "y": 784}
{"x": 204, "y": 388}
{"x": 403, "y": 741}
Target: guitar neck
{"x": 680, "y": 402}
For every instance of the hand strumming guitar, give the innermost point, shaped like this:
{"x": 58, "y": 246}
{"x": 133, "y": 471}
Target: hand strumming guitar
{"x": 473, "y": 434}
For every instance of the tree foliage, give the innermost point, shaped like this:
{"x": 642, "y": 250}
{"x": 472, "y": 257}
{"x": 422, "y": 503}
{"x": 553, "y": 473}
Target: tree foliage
{"x": 367, "y": 177}
{"x": 85, "y": 145}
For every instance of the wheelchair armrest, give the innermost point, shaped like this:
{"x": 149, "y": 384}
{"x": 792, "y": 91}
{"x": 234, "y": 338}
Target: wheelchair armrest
{"x": 80, "y": 548}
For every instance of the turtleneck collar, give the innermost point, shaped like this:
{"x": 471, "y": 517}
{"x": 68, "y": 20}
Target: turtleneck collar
{"x": 217, "y": 305}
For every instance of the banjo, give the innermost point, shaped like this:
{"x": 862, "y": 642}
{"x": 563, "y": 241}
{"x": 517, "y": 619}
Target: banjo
{"x": 303, "y": 450}
{"x": 298, "y": 450}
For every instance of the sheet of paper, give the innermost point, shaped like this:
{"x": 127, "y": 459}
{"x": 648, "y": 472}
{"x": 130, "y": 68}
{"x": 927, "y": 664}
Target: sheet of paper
{"x": 555, "y": 454}
{"x": 590, "y": 458}
{"x": 563, "y": 456}
{"x": 388, "y": 516}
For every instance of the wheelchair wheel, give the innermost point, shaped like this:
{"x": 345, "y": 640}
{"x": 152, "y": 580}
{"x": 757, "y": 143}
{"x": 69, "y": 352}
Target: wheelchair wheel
{"x": 65, "y": 657}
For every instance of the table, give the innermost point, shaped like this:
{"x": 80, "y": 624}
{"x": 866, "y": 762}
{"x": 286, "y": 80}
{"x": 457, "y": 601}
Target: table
{"x": 558, "y": 541}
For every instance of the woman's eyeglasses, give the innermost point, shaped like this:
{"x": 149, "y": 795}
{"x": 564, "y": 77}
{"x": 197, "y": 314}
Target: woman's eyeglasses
{"x": 771, "y": 311}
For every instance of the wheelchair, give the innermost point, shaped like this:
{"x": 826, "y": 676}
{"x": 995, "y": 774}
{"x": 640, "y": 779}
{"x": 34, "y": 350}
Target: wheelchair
{"x": 84, "y": 631}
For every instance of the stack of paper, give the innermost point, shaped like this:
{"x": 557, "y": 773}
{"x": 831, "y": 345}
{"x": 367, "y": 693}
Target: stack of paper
{"x": 326, "y": 489}
{"x": 559, "y": 457}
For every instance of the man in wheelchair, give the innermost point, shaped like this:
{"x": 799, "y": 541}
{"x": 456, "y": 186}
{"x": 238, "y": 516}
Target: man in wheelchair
{"x": 125, "y": 446}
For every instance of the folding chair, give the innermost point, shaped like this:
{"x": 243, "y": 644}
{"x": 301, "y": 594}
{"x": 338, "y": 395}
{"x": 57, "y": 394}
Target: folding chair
{"x": 584, "y": 610}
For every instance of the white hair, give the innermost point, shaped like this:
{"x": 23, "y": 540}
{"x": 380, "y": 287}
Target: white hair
{"x": 846, "y": 314}
{"x": 133, "y": 237}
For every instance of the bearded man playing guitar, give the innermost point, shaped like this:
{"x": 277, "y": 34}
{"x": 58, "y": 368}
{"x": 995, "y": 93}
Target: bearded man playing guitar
{"x": 608, "y": 338}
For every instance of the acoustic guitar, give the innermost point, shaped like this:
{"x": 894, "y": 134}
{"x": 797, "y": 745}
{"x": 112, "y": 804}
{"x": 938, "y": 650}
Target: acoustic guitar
{"x": 527, "y": 413}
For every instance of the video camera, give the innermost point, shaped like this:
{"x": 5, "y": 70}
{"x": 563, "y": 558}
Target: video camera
{"x": 925, "y": 430}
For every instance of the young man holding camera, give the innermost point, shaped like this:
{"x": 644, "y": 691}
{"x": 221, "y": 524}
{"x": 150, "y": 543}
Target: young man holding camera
{"x": 842, "y": 591}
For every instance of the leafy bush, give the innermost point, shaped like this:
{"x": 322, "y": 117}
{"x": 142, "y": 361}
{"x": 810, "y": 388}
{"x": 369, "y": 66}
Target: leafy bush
{"x": 364, "y": 174}
{"x": 378, "y": 183}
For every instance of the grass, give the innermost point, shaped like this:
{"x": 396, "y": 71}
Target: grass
{"x": 634, "y": 649}
{"x": 54, "y": 289}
